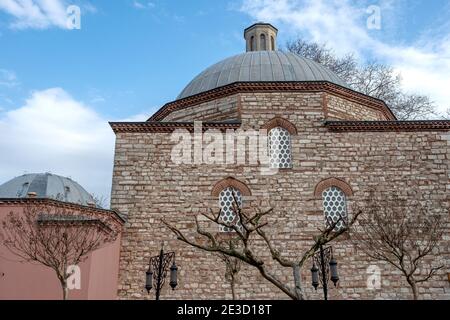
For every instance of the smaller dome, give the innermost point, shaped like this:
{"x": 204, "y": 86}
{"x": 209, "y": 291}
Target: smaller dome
{"x": 46, "y": 185}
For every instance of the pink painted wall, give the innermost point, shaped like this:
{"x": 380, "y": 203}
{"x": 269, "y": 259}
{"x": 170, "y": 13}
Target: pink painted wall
{"x": 31, "y": 281}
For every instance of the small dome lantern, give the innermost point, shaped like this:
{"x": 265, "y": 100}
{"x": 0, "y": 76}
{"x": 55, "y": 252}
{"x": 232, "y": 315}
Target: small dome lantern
{"x": 261, "y": 37}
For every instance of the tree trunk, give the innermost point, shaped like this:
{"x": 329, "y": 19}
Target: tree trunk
{"x": 293, "y": 294}
{"x": 65, "y": 289}
{"x": 232, "y": 282}
{"x": 413, "y": 285}
{"x": 298, "y": 283}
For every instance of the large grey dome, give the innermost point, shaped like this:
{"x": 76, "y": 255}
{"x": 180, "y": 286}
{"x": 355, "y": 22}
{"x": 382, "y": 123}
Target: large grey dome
{"x": 260, "y": 66}
{"x": 46, "y": 185}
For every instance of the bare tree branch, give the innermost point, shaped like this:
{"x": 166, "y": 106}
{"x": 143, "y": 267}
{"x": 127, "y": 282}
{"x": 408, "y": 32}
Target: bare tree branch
{"x": 400, "y": 232}
{"x": 56, "y": 237}
{"x": 248, "y": 228}
{"x": 371, "y": 78}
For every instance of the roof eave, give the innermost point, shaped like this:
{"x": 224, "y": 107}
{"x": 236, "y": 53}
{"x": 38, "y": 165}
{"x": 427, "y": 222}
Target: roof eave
{"x": 7, "y": 201}
{"x": 260, "y": 86}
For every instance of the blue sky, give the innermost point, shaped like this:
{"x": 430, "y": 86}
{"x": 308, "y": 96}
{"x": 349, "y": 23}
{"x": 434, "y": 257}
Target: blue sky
{"x": 130, "y": 57}
{"x": 124, "y": 60}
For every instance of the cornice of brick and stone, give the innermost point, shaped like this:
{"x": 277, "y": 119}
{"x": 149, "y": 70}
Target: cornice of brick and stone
{"x": 242, "y": 87}
{"x": 61, "y": 204}
{"x": 168, "y": 127}
{"x": 400, "y": 126}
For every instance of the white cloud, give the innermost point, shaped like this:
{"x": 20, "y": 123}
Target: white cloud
{"x": 89, "y": 7}
{"x": 341, "y": 24}
{"x": 143, "y": 5}
{"x": 8, "y": 78}
{"x": 40, "y": 14}
{"x": 53, "y": 132}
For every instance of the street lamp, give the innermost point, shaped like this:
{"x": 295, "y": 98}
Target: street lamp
{"x": 160, "y": 264}
{"x": 324, "y": 268}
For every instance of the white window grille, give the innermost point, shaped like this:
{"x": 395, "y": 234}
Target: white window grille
{"x": 280, "y": 149}
{"x": 334, "y": 207}
{"x": 226, "y": 201}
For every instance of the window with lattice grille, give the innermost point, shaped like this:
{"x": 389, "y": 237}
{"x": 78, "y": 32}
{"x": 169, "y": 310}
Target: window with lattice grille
{"x": 227, "y": 213}
{"x": 280, "y": 149}
{"x": 334, "y": 206}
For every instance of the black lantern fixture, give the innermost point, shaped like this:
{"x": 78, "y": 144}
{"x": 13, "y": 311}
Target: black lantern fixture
{"x": 315, "y": 276}
{"x": 160, "y": 265}
{"x": 149, "y": 279}
{"x": 173, "y": 275}
{"x": 333, "y": 271}
{"x": 324, "y": 268}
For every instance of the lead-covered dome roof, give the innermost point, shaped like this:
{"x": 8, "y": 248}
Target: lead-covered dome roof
{"x": 260, "y": 66}
{"x": 46, "y": 185}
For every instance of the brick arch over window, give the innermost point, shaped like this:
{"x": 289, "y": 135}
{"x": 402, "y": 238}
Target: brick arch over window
{"x": 330, "y": 182}
{"x": 230, "y": 182}
{"x": 281, "y": 122}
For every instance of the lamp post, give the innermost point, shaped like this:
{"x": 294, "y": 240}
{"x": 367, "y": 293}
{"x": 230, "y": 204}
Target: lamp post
{"x": 157, "y": 271}
{"x": 324, "y": 268}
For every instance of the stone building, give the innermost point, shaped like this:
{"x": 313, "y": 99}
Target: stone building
{"x": 325, "y": 139}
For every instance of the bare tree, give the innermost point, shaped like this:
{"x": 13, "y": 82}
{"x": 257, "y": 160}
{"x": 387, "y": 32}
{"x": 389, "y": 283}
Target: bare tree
{"x": 232, "y": 268}
{"x": 345, "y": 67}
{"x": 248, "y": 228}
{"x": 446, "y": 114}
{"x": 371, "y": 78}
{"x": 100, "y": 201}
{"x": 401, "y": 233}
{"x": 56, "y": 237}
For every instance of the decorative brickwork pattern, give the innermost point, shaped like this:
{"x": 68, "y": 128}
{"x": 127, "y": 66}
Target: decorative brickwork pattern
{"x": 332, "y": 182}
{"x": 230, "y": 182}
{"x": 261, "y": 87}
{"x": 374, "y": 126}
{"x": 281, "y": 122}
{"x": 169, "y": 127}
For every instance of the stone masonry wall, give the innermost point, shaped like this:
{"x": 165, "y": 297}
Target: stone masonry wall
{"x": 217, "y": 110}
{"x": 341, "y": 109}
{"x": 148, "y": 187}
{"x": 229, "y": 108}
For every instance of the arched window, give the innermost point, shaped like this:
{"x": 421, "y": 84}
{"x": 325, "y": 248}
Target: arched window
{"x": 224, "y": 191}
{"x": 334, "y": 206}
{"x": 272, "y": 43}
{"x": 280, "y": 148}
{"x": 263, "y": 41}
{"x": 252, "y": 43}
{"x": 228, "y": 198}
